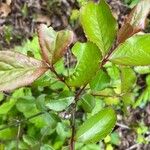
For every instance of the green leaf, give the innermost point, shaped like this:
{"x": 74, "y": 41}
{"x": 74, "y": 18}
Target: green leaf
{"x": 100, "y": 81}
{"x": 40, "y": 102}
{"x": 142, "y": 69}
{"x": 128, "y": 79}
{"x": 53, "y": 44}
{"x": 97, "y": 127}
{"x": 87, "y": 103}
{"x": 60, "y": 104}
{"x": 111, "y": 100}
{"x": 99, "y": 24}
{"x": 26, "y": 104}
{"x": 6, "y": 107}
{"x": 1, "y": 96}
{"x": 29, "y": 140}
{"x": 17, "y": 70}
{"x": 7, "y": 134}
{"x": 46, "y": 147}
{"x": 148, "y": 80}
{"x": 30, "y": 46}
{"x": 136, "y": 21}
{"x": 88, "y": 61}
{"x": 127, "y": 99}
{"x": 143, "y": 98}
{"x": 115, "y": 138}
{"x": 133, "y": 52}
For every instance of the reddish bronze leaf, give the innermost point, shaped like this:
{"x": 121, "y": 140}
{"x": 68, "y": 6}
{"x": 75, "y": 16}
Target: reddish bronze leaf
{"x": 53, "y": 44}
{"x": 17, "y": 70}
{"x": 135, "y": 22}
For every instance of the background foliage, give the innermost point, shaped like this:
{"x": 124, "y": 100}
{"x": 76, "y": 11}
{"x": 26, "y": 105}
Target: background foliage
{"x": 38, "y": 116}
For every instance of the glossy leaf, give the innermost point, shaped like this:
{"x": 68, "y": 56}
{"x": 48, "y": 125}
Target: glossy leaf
{"x": 100, "y": 81}
{"x": 53, "y": 44}
{"x": 60, "y": 104}
{"x": 87, "y": 103}
{"x": 17, "y": 70}
{"x": 133, "y": 52}
{"x": 136, "y": 21}
{"x": 99, "y": 24}
{"x": 97, "y": 127}
{"x": 128, "y": 79}
{"x": 88, "y": 61}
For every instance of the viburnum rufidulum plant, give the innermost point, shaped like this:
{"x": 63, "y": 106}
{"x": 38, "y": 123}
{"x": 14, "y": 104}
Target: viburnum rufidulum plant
{"x": 106, "y": 44}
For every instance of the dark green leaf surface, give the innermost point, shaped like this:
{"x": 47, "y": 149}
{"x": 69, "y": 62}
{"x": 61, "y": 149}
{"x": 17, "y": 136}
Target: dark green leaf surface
{"x": 97, "y": 127}
{"x": 17, "y": 70}
{"x": 88, "y": 61}
{"x": 133, "y": 52}
{"x": 99, "y": 24}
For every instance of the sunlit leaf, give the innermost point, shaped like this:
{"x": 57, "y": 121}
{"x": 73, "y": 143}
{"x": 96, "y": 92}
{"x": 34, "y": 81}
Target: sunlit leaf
{"x": 17, "y": 70}
{"x": 97, "y": 127}
{"x": 142, "y": 69}
{"x": 133, "y": 52}
{"x": 88, "y": 61}
{"x": 99, "y": 24}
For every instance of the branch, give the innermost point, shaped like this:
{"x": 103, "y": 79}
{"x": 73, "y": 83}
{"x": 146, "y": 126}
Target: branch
{"x": 52, "y": 69}
{"x": 18, "y": 137}
{"x": 123, "y": 126}
{"x": 104, "y": 61}
{"x": 77, "y": 96}
{"x": 15, "y": 124}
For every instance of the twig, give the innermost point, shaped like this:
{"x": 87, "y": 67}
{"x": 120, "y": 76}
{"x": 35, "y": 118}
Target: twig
{"x": 133, "y": 146}
{"x": 123, "y": 126}
{"x": 109, "y": 54}
{"x": 101, "y": 95}
{"x": 23, "y": 120}
{"x": 18, "y": 136}
{"x": 72, "y": 122}
{"x": 59, "y": 77}
{"x": 72, "y": 143}
{"x": 68, "y": 64}
{"x": 79, "y": 93}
